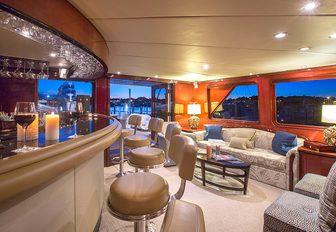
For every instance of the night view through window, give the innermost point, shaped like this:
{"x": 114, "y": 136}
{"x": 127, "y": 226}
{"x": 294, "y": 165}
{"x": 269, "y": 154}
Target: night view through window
{"x": 129, "y": 99}
{"x": 301, "y": 102}
{"x": 59, "y": 95}
{"x": 241, "y": 104}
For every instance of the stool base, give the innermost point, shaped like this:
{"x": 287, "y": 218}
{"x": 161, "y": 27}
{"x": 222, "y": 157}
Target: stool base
{"x": 169, "y": 163}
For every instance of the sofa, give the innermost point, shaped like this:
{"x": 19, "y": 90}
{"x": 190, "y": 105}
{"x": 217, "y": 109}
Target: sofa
{"x": 267, "y": 166}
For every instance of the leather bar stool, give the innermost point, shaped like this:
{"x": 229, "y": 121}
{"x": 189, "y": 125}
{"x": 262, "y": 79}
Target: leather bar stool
{"x": 140, "y": 196}
{"x": 137, "y": 140}
{"x": 148, "y": 157}
{"x": 172, "y": 129}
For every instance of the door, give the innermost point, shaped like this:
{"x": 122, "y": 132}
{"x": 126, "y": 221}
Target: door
{"x": 161, "y": 101}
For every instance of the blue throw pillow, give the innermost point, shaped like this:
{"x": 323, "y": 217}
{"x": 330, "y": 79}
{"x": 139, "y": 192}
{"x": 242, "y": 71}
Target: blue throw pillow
{"x": 283, "y": 142}
{"x": 213, "y": 132}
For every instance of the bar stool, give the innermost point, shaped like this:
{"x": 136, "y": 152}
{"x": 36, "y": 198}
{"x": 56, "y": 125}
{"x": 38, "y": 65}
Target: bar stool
{"x": 148, "y": 157}
{"x": 139, "y": 197}
{"x": 172, "y": 129}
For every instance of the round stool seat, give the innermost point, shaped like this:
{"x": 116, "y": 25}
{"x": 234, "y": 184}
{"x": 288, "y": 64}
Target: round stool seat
{"x": 146, "y": 156}
{"x": 138, "y": 194}
{"x": 126, "y": 132}
{"x": 137, "y": 141}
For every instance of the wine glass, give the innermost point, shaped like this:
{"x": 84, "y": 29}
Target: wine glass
{"x": 76, "y": 115}
{"x": 24, "y": 115}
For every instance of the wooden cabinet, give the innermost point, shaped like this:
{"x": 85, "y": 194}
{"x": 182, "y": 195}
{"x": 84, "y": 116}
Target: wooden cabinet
{"x": 315, "y": 162}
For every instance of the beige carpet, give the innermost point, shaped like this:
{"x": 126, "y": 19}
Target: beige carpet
{"x": 224, "y": 210}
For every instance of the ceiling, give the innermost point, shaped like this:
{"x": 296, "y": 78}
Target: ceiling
{"x": 174, "y": 39}
{"x": 16, "y": 45}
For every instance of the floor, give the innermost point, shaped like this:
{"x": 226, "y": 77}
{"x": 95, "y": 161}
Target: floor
{"x": 223, "y": 210}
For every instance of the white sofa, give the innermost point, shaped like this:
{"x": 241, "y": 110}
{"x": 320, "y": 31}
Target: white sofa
{"x": 266, "y": 165}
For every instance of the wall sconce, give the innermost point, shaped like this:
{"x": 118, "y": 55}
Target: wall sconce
{"x": 213, "y": 106}
{"x": 195, "y": 84}
{"x": 179, "y": 109}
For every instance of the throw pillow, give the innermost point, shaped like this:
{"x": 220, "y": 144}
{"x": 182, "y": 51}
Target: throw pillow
{"x": 246, "y": 133}
{"x": 283, "y": 142}
{"x": 240, "y": 143}
{"x": 213, "y": 132}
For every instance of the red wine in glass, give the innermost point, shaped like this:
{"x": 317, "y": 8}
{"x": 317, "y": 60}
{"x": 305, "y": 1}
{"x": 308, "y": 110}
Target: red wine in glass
{"x": 24, "y": 115}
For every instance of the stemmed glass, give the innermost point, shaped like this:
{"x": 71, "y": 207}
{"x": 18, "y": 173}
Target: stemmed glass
{"x": 76, "y": 114}
{"x": 30, "y": 74}
{"x": 24, "y": 115}
{"x": 4, "y": 71}
{"x": 42, "y": 75}
{"x": 17, "y": 73}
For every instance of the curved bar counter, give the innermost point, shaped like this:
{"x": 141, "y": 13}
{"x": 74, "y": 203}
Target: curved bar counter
{"x": 58, "y": 187}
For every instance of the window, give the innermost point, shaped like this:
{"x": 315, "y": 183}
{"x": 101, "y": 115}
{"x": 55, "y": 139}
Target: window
{"x": 301, "y": 102}
{"x": 62, "y": 95}
{"x": 240, "y": 104}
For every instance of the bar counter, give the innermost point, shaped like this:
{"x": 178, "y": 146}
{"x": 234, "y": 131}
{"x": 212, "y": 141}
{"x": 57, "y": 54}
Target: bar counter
{"x": 58, "y": 187}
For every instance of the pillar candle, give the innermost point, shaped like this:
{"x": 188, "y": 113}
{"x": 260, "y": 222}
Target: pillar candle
{"x": 52, "y": 126}
{"x": 31, "y": 133}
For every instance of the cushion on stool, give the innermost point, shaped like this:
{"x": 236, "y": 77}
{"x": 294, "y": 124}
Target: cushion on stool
{"x": 182, "y": 216}
{"x": 292, "y": 212}
{"x": 310, "y": 185}
{"x": 146, "y": 156}
{"x": 137, "y": 141}
{"x": 126, "y": 132}
{"x": 138, "y": 194}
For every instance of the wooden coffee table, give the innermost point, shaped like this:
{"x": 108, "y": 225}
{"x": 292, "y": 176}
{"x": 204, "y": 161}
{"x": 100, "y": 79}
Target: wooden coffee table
{"x": 220, "y": 167}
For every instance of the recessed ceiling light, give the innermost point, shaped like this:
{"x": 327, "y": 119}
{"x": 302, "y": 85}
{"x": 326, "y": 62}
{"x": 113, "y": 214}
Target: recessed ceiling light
{"x": 156, "y": 76}
{"x": 309, "y": 6}
{"x": 304, "y": 49}
{"x": 250, "y": 74}
{"x": 53, "y": 54}
{"x": 280, "y": 35}
{"x": 332, "y": 36}
{"x": 61, "y": 64}
{"x": 205, "y": 66}
{"x": 118, "y": 73}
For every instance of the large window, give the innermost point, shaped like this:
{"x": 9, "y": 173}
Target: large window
{"x": 62, "y": 95}
{"x": 129, "y": 99}
{"x": 301, "y": 102}
{"x": 240, "y": 104}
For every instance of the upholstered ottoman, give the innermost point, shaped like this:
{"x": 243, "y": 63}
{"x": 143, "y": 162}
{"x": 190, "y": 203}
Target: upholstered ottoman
{"x": 292, "y": 212}
{"x": 311, "y": 185}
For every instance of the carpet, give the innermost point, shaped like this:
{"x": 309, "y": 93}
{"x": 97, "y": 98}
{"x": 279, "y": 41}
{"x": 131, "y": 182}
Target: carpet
{"x": 224, "y": 210}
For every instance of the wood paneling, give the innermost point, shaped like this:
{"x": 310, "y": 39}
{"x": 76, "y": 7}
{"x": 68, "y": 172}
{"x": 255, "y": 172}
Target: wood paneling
{"x": 266, "y": 90}
{"x": 13, "y": 90}
{"x": 62, "y": 16}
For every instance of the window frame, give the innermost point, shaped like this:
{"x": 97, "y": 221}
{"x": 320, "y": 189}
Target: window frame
{"x": 233, "y": 85}
{"x": 274, "y": 107}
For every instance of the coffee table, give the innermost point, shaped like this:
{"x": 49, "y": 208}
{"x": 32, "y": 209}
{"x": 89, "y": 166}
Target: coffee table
{"x": 238, "y": 170}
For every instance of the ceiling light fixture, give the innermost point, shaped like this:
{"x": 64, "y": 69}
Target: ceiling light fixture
{"x": 332, "y": 36}
{"x": 304, "y": 49}
{"x": 61, "y": 64}
{"x": 250, "y": 74}
{"x": 195, "y": 84}
{"x": 118, "y": 73}
{"x": 310, "y": 6}
{"x": 53, "y": 54}
{"x": 280, "y": 35}
{"x": 205, "y": 66}
{"x": 156, "y": 76}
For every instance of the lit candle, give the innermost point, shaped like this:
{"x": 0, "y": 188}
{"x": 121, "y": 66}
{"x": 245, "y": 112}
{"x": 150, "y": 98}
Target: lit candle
{"x": 52, "y": 126}
{"x": 32, "y": 131}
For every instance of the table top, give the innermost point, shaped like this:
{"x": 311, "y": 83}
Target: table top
{"x": 85, "y": 126}
{"x": 224, "y": 160}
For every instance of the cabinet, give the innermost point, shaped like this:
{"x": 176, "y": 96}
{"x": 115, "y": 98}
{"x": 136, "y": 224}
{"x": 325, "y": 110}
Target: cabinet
{"x": 315, "y": 162}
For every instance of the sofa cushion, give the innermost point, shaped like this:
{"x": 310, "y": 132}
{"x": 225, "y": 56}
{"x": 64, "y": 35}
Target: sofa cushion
{"x": 327, "y": 215}
{"x": 259, "y": 157}
{"x": 263, "y": 140}
{"x": 227, "y": 133}
{"x": 283, "y": 142}
{"x": 246, "y": 133}
{"x": 310, "y": 185}
{"x": 240, "y": 143}
{"x": 213, "y": 132}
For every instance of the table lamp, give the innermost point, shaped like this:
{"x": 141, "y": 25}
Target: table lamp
{"x": 194, "y": 121}
{"x": 329, "y": 116}
{"x": 179, "y": 109}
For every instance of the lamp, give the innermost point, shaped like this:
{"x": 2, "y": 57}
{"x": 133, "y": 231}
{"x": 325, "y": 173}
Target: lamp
{"x": 179, "y": 109}
{"x": 213, "y": 106}
{"x": 194, "y": 121}
{"x": 329, "y": 116}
